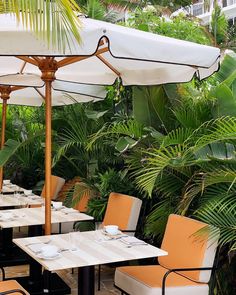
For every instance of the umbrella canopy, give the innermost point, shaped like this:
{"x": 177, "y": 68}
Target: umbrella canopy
{"x": 107, "y": 52}
{"x": 63, "y": 93}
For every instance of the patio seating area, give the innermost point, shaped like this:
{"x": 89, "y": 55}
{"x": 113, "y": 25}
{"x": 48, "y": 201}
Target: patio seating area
{"x": 117, "y": 149}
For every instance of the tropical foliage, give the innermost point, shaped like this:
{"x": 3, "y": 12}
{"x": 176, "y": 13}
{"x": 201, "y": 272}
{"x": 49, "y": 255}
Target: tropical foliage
{"x": 174, "y": 146}
{"x": 178, "y": 27}
{"x": 219, "y": 25}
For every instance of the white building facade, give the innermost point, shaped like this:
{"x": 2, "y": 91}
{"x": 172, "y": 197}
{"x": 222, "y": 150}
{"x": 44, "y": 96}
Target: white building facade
{"x": 203, "y": 9}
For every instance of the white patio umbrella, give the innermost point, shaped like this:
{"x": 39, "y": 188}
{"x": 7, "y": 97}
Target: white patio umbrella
{"x": 34, "y": 96}
{"x": 107, "y": 52}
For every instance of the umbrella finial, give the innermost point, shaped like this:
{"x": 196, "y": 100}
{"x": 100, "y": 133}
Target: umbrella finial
{"x": 48, "y": 67}
{"x": 5, "y": 92}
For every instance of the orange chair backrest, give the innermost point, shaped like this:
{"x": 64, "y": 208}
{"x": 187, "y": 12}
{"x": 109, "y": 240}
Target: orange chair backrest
{"x": 82, "y": 204}
{"x": 185, "y": 249}
{"x": 122, "y": 210}
{"x": 56, "y": 185}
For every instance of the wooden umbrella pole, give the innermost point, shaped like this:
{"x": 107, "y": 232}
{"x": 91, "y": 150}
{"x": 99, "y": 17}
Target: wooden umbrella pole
{"x": 48, "y": 67}
{"x": 48, "y": 156}
{"x": 5, "y": 95}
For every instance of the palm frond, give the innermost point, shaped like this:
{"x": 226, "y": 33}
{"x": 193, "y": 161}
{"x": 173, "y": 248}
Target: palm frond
{"x": 53, "y": 21}
{"x": 222, "y": 129}
{"x": 176, "y": 136}
{"x": 112, "y": 132}
{"x": 156, "y": 221}
{"x": 204, "y": 180}
{"x": 156, "y": 160}
{"x": 219, "y": 215}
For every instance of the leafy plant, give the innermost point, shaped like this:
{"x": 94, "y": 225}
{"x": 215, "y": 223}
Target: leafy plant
{"x": 219, "y": 25}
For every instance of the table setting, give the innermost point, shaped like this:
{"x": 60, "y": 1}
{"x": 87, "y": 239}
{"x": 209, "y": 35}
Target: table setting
{"x": 50, "y": 249}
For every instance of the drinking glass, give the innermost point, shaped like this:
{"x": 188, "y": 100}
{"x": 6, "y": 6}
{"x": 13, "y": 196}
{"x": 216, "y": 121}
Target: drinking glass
{"x": 74, "y": 240}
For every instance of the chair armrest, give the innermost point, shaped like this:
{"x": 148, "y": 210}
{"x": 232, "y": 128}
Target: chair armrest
{"x": 3, "y": 273}
{"x": 180, "y": 269}
{"x": 13, "y": 291}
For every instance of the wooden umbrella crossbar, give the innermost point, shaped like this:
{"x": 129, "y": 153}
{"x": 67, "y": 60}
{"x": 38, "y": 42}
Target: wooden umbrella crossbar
{"x": 105, "y": 62}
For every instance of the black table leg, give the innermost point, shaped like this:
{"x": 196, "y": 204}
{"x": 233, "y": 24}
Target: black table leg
{"x": 35, "y": 274}
{"x": 7, "y": 244}
{"x": 86, "y": 280}
{"x": 46, "y": 282}
{"x": 35, "y": 230}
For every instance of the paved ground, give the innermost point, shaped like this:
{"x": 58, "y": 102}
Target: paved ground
{"x": 107, "y": 275}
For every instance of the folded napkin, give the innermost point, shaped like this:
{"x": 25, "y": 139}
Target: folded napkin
{"x": 132, "y": 241}
{"x": 36, "y": 247}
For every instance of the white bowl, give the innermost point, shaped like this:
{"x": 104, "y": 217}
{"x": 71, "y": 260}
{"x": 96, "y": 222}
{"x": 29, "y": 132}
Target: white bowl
{"x": 6, "y": 181}
{"x": 112, "y": 229}
{"x": 27, "y": 192}
{"x": 49, "y": 251}
{"x": 57, "y": 205}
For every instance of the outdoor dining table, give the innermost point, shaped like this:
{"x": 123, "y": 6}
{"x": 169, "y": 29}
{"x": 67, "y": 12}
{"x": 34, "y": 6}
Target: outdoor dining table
{"x": 93, "y": 248}
{"x": 12, "y": 195}
{"x": 11, "y": 188}
{"x": 34, "y": 218}
{"x": 10, "y": 200}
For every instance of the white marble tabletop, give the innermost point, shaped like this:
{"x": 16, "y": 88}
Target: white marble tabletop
{"x": 92, "y": 249}
{"x": 36, "y": 216}
{"x": 11, "y": 188}
{"x": 20, "y": 200}
{"x": 13, "y": 196}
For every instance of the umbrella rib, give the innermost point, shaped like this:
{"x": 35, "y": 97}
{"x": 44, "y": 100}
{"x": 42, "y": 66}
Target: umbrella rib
{"x": 36, "y": 59}
{"x": 15, "y": 88}
{"x": 108, "y": 65}
{"x": 39, "y": 93}
{"x": 23, "y": 67}
{"x": 28, "y": 59}
{"x": 70, "y": 60}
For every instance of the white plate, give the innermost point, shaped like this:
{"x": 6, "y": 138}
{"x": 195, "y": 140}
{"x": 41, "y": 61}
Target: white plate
{"x": 41, "y": 256}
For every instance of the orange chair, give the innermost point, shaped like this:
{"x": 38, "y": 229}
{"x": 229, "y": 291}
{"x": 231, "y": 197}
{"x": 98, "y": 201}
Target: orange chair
{"x": 185, "y": 270}
{"x": 81, "y": 205}
{"x": 70, "y": 186}
{"x": 56, "y": 185}
{"x": 12, "y": 287}
{"x": 122, "y": 210}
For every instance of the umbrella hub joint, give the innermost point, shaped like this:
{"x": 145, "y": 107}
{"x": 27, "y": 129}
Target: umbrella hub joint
{"x": 5, "y": 92}
{"x": 48, "y": 69}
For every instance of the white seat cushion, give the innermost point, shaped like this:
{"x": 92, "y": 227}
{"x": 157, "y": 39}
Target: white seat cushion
{"x": 147, "y": 280}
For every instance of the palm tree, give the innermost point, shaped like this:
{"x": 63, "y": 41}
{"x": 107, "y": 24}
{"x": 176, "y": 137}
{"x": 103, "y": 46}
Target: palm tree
{"x": 46, "y": 18}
